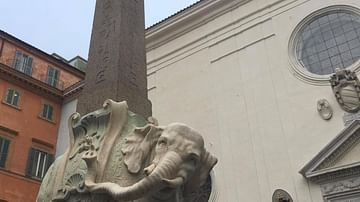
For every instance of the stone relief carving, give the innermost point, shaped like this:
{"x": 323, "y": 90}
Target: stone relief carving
{"x": 341, "y": 186}
{"x": 324, "y": 109}
{"x": 116, "y": 155}
{"x": 342, "y": 191}
{"x": 346, "y": 88}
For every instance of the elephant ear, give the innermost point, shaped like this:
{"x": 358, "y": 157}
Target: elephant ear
{"x": 199, "y": 178}
{"x": 138, "y": 145}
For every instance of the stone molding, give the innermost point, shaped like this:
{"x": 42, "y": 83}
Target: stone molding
{"x": 298, "y": 70}
{"x": 188, "y": 20}
{"x": 341, "y": 186}
{"x": 322, "y": 167}
{"x": 342, "y": 190}
{"x": 10, "y": 74}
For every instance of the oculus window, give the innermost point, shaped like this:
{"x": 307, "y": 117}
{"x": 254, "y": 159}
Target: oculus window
{"x": 328, "y": 41}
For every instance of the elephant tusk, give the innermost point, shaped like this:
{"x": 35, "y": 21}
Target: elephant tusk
{"x": 148, "y": 170}
{"x": 173, "y": 183}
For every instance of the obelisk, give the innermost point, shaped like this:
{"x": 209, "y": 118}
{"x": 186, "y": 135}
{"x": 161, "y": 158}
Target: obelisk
{"x": 117, "y": 59}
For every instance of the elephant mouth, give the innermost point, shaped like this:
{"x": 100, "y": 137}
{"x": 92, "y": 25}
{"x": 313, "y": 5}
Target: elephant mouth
{"x": 173, "y": 183}
{"x": 169, "y": 183}
{"x": 148, "y": 170}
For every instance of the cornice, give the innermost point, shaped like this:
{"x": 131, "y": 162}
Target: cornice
{"x": 321, "y": 167}
{"x": 334, "y": 174}
{"x": 41, "y": 54}
{"x": 10, "y": 74}
{"x": 189, "y": 19}
{"x": 73, "y": 91}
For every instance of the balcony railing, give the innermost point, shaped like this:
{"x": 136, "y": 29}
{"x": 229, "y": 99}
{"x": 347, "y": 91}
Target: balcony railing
{"x": 44, "y": 78}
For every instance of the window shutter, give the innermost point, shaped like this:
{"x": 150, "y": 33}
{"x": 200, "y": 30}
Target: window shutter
{"x": 16, "y": 98}
{"x": 50, "y": 160}
{"x": 50, "y": 112}
{"x": 9, "y": 96}
{"x": 30, "y": 162}
{"x": 4, "y": 152}
{"x": 28, "y": 67}
{"x": 56, "y": 75}
{"x": 49, "y": 76}
{"x": 1, "y": 152}
{"x": 44, "y": 111}
{"x": 17, "y": 60}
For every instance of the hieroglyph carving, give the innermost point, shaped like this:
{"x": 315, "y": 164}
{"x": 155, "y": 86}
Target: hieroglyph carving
{"x": 115, "y": 155}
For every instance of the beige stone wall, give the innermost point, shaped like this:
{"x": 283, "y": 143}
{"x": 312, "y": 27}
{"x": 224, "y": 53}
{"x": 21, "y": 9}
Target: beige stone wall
{"x": 231, "y": 79}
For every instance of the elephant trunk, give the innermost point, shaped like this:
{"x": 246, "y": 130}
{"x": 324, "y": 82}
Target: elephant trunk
{"x": 158, "y": 179}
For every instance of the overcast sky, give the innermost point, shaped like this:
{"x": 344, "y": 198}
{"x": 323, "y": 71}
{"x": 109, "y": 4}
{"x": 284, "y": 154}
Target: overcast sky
{"x": 64, "y": 26}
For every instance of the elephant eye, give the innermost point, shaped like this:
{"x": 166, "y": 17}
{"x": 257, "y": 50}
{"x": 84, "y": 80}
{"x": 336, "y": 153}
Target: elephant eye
{"x": 193, "y": 159}
{"x": 162, "y": 142}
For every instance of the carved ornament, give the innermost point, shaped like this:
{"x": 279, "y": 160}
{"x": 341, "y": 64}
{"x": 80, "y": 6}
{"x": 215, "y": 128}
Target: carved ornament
{"x": 324, "y": 109}
{"x": 346, "y": 88}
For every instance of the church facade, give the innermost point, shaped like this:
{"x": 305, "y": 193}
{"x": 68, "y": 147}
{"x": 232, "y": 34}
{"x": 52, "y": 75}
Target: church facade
{"x": 254, "y": 77}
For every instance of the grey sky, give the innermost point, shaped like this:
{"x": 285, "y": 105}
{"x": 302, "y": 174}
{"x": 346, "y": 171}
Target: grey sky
{"x": 64, "y": 26}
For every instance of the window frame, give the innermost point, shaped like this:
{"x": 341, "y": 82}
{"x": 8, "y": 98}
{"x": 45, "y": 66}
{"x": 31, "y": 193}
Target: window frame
{"x": 23, "y": 62}
{"x": 4, "y": 165}
{"x": 42, "y": 161}
{"x": 53, "y": 81}
{"x": 41, "y": 113}
{"x": 5, "y": 98}
{"x": 8, "y": 134}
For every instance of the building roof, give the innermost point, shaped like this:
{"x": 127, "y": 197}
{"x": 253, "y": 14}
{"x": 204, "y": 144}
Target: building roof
{"x": 176, "y": 13}
{"x": 77, "y": 57}
{"x": 63, "y": 64}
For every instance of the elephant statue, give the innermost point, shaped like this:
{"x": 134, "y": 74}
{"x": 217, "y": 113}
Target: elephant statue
{"x": 116, "y": 155}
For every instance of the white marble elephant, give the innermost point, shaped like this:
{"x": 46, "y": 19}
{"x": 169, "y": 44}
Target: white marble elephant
{"x": 115, "y": 155}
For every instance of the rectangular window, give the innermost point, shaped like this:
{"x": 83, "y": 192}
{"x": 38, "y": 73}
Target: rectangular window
{"x": 52, "y": 77}
{"x": 23, "y": 63}
{"x": 38, "y": 163}
{"x": 47, "y": 112}
{"x": 4, "y": 148}
{"x": 12, "y": 97}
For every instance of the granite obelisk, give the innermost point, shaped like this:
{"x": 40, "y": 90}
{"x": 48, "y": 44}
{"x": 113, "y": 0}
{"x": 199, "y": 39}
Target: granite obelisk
{"x": 117, "y": 59}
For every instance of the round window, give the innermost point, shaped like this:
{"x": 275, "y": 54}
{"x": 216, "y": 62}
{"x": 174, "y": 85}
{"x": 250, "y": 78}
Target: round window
{"x": 328, "y": 41}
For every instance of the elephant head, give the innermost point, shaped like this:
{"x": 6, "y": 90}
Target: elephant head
{"x": 169, "y": 157}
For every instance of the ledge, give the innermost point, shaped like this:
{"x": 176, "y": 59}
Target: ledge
{"x": 4, "y": 171}
{"x": 10, "y": 74}
{"x": 12, "y": 106}
{"x": 45, "y": 119}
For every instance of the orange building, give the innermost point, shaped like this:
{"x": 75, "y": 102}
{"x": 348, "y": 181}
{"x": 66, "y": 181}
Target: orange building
{"x": 33, "y": 89}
